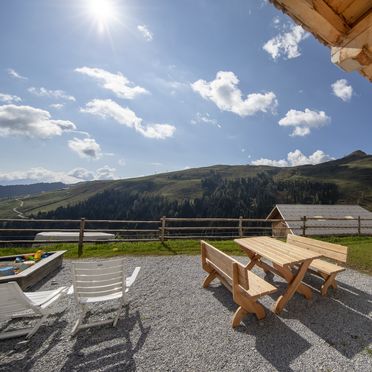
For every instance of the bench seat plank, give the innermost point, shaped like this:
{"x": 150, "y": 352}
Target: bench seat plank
{"x": 326, "y": 267}
{"x": 259, "y": 287}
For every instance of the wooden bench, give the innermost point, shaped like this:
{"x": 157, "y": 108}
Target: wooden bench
{"x": 246, "y": 287}
{"x": 322, "y": 268}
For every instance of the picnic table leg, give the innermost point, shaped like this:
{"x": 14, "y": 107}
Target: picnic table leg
{"x": 330, "y": 281}
{"x": 253, "y": 262}
{"x": 292, "y": 288}
{"x": 303, "y": 288}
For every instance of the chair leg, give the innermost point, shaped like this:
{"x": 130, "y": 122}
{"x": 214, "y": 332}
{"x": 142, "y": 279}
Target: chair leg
{"x": 118, "y": 313}
{"x": 80, "y": 320}
{"x": 37, "y": 326}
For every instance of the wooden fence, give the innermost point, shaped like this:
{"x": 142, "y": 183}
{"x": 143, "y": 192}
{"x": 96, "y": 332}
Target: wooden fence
{"x": 23, "y": 231}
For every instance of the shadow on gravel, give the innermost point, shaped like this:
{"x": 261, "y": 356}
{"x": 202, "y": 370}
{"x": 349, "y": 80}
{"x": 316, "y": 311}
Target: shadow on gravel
{"x": 275, "y": 341}
{"x": 108, "y": 348}
{"x": 34, "y": 349}
{"x": 345, "y": 294}
{"x": 341, "y": 319}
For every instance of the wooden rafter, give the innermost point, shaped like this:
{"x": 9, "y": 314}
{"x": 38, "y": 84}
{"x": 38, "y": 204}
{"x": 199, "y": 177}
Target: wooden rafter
{"x": 343, "y": 25}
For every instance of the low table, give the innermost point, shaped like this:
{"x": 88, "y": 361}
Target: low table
{"x": 284, "y": 259}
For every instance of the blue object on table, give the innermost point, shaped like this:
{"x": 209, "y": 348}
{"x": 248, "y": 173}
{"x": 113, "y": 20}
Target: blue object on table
{"x": 8, "y": 270}
{"x": 19, "y": 259}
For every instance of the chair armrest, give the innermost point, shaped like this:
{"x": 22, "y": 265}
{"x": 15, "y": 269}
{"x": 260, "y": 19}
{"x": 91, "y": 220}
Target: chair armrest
{"x": 130, "y": 279}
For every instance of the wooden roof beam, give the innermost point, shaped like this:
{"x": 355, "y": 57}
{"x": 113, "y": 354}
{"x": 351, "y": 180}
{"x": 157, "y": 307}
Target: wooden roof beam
{"x": 354, "y": 52}
{"x": 317, "y": 17}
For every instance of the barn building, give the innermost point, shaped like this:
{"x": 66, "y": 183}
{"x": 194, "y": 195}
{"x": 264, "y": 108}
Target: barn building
{"x": 320, "y": 220}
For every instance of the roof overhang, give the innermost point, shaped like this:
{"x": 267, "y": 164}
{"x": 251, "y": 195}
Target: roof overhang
{"x": 343, "y": 25}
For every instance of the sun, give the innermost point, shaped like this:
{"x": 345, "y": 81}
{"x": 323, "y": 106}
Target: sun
{"x": 103, "y": 12}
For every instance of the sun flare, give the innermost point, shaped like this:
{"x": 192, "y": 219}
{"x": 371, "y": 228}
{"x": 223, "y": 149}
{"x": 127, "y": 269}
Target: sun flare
{"x": 103, "y": 12}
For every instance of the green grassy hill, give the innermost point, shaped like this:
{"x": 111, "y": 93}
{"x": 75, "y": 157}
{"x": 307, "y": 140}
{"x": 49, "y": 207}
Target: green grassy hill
{"x": 352, "y": 174}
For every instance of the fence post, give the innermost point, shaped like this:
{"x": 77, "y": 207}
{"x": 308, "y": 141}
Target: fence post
{"x": 359, "y": 226}
{"x": 162, "y": 229}
{"x": 240, "y": 226}
{"x": 81, "y": 237}
{"x": 304, "y": 226}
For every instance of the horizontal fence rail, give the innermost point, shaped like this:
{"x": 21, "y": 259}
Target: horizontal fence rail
{"x": 23, "y": 231}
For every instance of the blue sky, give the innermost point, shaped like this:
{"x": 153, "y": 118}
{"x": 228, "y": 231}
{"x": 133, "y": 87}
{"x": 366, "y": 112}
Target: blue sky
{"x": 95, "y": 89}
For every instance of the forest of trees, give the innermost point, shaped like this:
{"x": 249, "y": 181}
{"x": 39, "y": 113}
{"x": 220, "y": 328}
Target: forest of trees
{"x": 249, "y": 197}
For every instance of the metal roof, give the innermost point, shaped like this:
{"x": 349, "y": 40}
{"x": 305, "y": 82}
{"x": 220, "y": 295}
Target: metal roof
{"x": 293, "y": 213}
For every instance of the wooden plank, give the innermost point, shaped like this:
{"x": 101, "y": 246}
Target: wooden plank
{"x": 330, "y": 254}
{"x": 258, "y": 286}
{"x": 292, "y": 250}
{"x": 352, "y": 51}
{"x": 220, "y": 259}
{"x": 330, "y": 250}
{"x": 326, "y": 267}
{"x": 339, "y": 6}
{"x": 247, "y": 244}
{"x": 317, "y": 17}
{"x": 276, "y": 248}
{"x": 278, "y": 252}
{"x": 355, "y": 10}
{"x": 319, "y": 243}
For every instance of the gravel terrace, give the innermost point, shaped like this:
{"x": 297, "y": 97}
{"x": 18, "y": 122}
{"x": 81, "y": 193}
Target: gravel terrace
{"x": 173, "y": 324}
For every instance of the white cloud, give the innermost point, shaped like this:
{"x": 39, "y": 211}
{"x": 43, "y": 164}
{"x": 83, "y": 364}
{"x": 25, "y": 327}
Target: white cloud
{"x": 204, "y": 119}
{"x": 31, "y": 122}
{"x": 342, "y": 90}
{"x": 8, "y": 98}
{"x": 224, "y": 92}
{"x": 117, "y": 83}
{"x": 146, "y": 33}
{"x": 81, "y": 174}
{"x": 287, "y": 43}
{"x": 300, "y": 132}
{"x": 296, "y": 158}
{"x": 56, "y": 94}
{"x": 107, "y": 108}
{"x": 304, "y": 121}
{"x": 13, "y": 73}
{"x": 40, "y": 174}
{"x": 85, "y": 148}
{"x": 105, "y": 173}
{"x": 122, "y": 162}
{"x": 57, "y": 106}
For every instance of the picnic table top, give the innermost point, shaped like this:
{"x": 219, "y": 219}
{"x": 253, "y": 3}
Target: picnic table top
{"x": 280, "y": 253}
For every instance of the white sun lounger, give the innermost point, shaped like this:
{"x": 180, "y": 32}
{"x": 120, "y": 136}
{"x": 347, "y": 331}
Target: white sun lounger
{"x": 97, "y": 282}
{"x": 14, "y": 303}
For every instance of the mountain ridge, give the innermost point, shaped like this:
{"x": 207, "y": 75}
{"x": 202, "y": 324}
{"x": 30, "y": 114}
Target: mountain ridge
{"x": 352, "y": 174}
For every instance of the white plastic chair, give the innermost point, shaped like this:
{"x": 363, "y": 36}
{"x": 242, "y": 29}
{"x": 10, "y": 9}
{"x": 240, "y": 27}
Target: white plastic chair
{"x": 98, "y": 282}
{"x": 14, "y": 301}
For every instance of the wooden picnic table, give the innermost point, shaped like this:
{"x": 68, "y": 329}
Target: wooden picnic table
{"x": 285, "y": 259}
